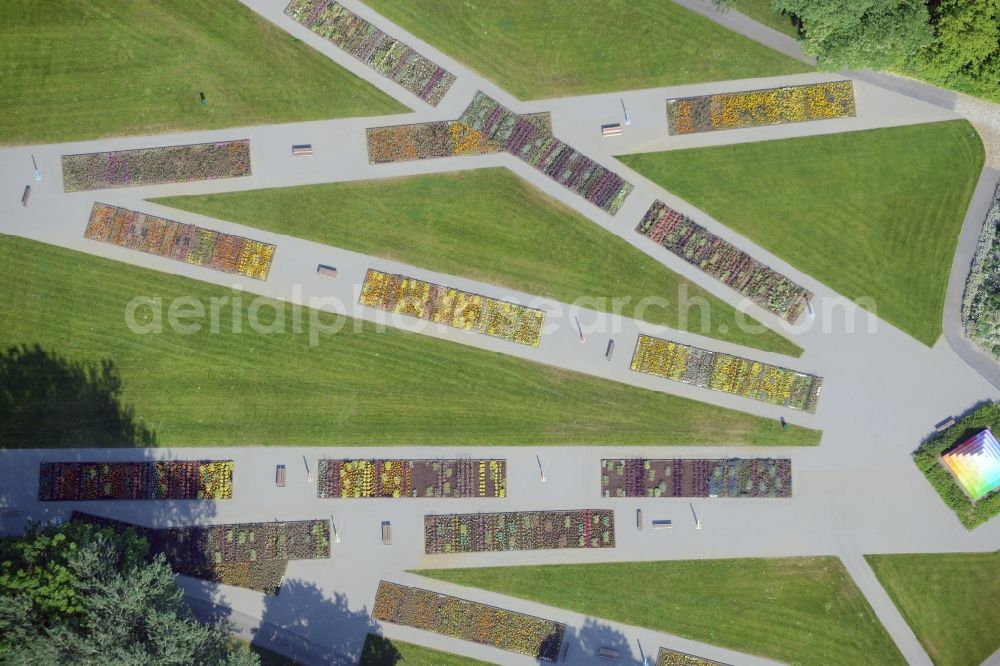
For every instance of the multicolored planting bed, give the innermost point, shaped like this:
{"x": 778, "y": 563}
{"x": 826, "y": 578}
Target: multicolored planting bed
{"x": 250, "y": 555}
{"x": 753, "y": 108}
{"x": 980, "y": 305}
{"x": 485, "y": 126}
{"x": 412, "y": 478}
{"x": 975, "y": 463}
{"x": 468, "y": 620}
{"x": 171, "y": 479}
{"x": 444, "y": 138}
{"x": 730, "y": 477}
{"x": 727, "y": 263}
{"x": 725, "y": 372}
{"x": 518, "y": 530}
{"x": 154, "y": 166}
{"x": 386, "y": 55}
{"x": 183, "y": 242}
{"x": 461, "y": 309}
{"x": 674, "y": 658}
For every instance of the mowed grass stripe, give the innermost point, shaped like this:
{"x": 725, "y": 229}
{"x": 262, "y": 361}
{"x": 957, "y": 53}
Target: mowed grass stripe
{"x": 488, "y": 225}
{"x": 81, "y": 70}
{"x": 539, "y": 49}
{"x": 363, "y": 388}
{"x": 874, "y": 213}
{"x": 798, "y": 610}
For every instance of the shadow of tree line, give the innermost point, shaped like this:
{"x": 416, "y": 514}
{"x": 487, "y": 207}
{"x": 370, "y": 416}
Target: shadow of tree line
{"x": 48, "y": 401}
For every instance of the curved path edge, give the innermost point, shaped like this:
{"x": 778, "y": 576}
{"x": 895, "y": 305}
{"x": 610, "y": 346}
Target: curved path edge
{"x": 968, "y": 238}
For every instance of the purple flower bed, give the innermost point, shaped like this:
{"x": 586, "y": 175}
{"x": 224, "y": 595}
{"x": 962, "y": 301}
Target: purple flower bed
{"x": 153, "y": 166}
{"x": 729, "y": 477}
{"x": 386, "y": 55}
{"x": 486, "y": 126}
{"x": 724, "y": 261}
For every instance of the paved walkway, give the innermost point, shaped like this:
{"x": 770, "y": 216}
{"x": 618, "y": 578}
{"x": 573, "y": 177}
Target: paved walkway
{"x": 857, "y": 493}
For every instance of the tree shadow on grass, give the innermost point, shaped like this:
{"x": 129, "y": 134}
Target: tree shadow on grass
{"x": 48, "y": 401}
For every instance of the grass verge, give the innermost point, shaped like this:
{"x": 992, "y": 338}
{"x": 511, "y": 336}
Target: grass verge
{"x": 82, "y": 70}
{"x": 872, "y": 214}
{"x": 489, "y": 225}
{"x": 539, "y": 49}
{"x": 380, "y": 651}
{"x": 800, "y": 610}
{"x": 355, "y": 387}
{"x": 948, "y": 599}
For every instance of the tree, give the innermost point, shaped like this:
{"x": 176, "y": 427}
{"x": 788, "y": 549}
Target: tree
{"x": 967, "y": 38}
{"x": 117, "y": 609}
{"x": 878, "y": 34}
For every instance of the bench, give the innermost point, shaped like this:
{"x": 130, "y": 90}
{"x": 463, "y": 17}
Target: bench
{"x": 944, "y": 425}
{"x": 24, "y": 197}
{"x": 302, "y": 150}
{"x": 329, "y": 271}
{"x": 611, "y": 129}
{"x": 10, "y": 512}
{"x": 386, "y": 533}
{"x": 662, "y": 524}
{"x": 279, "y": 476}
{"x": 608, "y": 653}
{"x": 638, "y": 519}
{"x": 610, "y": 350}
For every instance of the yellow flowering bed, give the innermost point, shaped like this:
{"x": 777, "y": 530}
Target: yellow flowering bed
{"x": 753, "y": 108}
{"x": 460, "y": 309}
{"x": 412, "y": 478}
{"x": 725, "y": 372}
{"x": 668, "y": 657}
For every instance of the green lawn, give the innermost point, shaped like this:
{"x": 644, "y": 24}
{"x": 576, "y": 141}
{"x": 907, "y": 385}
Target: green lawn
{"x": 539, "y": 49}
{"x": 802, "y": 610}
{"x": 82, "y": 69}
{"x": 949, "y": 600}
{"x": 760, "y": 11}
{"x": 380, "y": 651}
{"x": 485, "y": 224}
{"x": 358, "y": 387}
{"x": 871, "y": 214}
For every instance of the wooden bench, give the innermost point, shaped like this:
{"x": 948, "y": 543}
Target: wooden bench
{"x": 386, "y": 533}
{"x": 610, "y": 350}
{"x": 944, "y": 425}
{"x": 608, "y": 653}
{"x": 7, "y": 512}
{"x": 638, "y": 519}
{"x": 279, "y": 476}
{"x": 24, "y": 197}
{"x": 662, "y": 524}
{"x": 611, "y": 129}
{"x": 329, "y": 271}
{"x": 302, "y": 150}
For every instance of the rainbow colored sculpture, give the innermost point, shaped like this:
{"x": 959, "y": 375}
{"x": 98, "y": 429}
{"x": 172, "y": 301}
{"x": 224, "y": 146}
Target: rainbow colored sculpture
{"x": 976, "y": 464}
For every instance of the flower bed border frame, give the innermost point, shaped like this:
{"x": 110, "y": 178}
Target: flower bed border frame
{"x": 704, "y": 368}
{"x": 549, "y": 647}
{"x": 635, "y": 481}
{"x": 482, "y": 522}
{"x": 49, "y": 474}
{"x": 325, "y": 469}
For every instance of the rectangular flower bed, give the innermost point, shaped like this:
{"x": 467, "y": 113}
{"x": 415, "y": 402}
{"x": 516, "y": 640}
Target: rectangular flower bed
{"x": 386, "y": 55}
{"x": 170, "y": 479}
{"x": 728, "y": 373}
{"x": 154, "y": 166}
{"x": 518, "y": 530}
{"x": 468, "y": 620}
{"x": 461, "y": 309}
{"x": 980, "y": 304}
{"x": 724, "y": 261}
{"x": 753, "y": 108}
{"x": 251, "y": 555}
{"x": 674, "y": 658}
{"x": 445, "y": 138}
{"x": 183, "y": 242}
{"x": 486, "y": 126}
{"x": 412, "y": 478}
{"x": 730, "y": 477}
